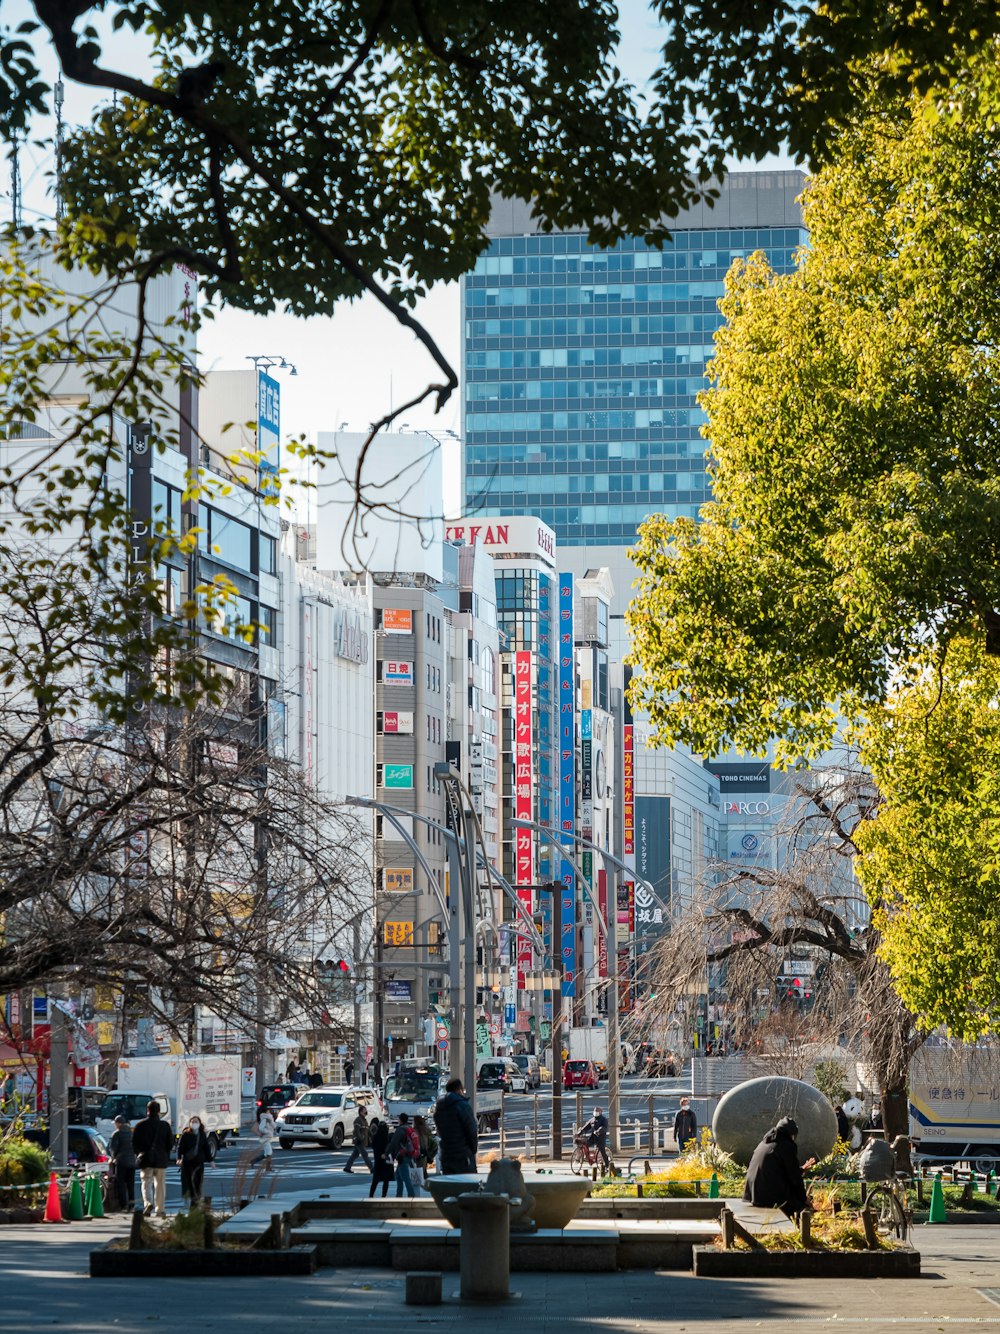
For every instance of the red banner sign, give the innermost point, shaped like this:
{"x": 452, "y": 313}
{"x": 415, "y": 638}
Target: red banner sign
{"x": 524, "y": 868}
{"x": 628, "y": 794}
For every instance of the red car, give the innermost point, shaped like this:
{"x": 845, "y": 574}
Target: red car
{"x": 580, "y": 1074}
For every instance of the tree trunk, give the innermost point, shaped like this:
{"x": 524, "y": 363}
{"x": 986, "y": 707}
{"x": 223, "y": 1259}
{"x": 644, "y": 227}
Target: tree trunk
{"x": 895, "y": 1110}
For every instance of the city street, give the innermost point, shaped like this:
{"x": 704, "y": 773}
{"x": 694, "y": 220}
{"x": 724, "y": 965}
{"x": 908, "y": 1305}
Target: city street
{"x": 306, "y": 1167}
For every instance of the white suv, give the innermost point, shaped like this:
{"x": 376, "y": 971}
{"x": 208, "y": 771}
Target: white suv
{"x": 325, "y": 1115}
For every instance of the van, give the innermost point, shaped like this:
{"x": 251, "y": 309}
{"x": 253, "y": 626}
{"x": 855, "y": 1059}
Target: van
{"x": 501, "y": 1073}
{"x": 529, "y": 1067}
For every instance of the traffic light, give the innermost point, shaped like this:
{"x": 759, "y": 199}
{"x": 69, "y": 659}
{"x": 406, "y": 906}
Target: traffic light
{"x": 335, "y": 977}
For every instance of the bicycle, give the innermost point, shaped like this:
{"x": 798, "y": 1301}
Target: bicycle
{"x": 586, "y": 1155}
{"x": 886, "y": 1202}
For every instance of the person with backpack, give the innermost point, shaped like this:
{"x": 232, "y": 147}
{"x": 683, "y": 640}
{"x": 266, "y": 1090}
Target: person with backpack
{"x": 404, "y": 1150}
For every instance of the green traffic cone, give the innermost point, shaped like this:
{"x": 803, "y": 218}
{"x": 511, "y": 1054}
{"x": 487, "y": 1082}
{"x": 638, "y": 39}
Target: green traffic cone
{"x": 937, "y": 1213}
{"x": 96, "y": 1203}
{"x": 713, "y": 1188}
{"x": 75, "y": 1209}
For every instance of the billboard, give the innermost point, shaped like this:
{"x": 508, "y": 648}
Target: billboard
{"x": 397, "y": 673}
{"x": 268, "y": 432}
{"x": 397, "y": 879}
{"x": 397, "y": 934}
{"x": 567, "y": 778}
{"x": 652, "y": 863}
{"x": 397, "y": 620}
{"x": 395, "y": 722}
{"x": 397, "y": 775}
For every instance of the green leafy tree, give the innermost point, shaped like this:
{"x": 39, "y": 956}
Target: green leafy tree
{"x": 930, "y": 860}
{"x": 854, "y": 452}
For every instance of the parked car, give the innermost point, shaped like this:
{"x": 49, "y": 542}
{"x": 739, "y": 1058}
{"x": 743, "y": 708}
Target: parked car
{"x": 529, "y": 1067}
{"x": 503, "y": 1074}
{"x": 579, "y": 1073}
{"x": 276, "y": 1096}
{"x": 325, "y": 1115}
{"x": 85, "y": 1144}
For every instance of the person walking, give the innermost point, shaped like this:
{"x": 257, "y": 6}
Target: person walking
{"x": 456, "y": 1128}
{"x": 428, "y": 1151}
{"x": 383, "y": 1170}
{"x": 290, "y": 1072}
{"x": 192, "y": 1155}
{"x": 359, "y": 1139}
{"x": 265, "y": 1137}
{"x": 685, "y": 1126}
{"x": 349, "y": 1069}
{"x": 774, "y": 1177}
{"x": 404, "y": 1149}
{"x": 123, "y": 1157}
{"x": 153, "y": 1141}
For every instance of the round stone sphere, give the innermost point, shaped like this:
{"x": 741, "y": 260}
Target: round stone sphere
{"x": 746, "y": 1113}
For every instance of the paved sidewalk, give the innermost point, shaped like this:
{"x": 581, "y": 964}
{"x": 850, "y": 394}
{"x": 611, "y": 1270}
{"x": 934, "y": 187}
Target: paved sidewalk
{"x": 44, "y": 1284}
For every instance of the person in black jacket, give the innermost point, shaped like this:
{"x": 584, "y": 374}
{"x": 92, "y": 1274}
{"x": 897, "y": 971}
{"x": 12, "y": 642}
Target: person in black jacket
{"x": 685, "y": 1125}
{"x": 384, "y": 1169}
{"x": 192, "y": 1155}
{"x": 458, "y": 1138}
{"x": 153, "y": 1140}
{"x": 774, "y": 1177}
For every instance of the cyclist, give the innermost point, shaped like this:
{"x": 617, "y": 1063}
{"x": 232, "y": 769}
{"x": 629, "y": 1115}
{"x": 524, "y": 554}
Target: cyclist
{"x": 596, "y": 1134}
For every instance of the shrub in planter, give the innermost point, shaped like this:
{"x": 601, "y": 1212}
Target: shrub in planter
{"x": 23, "y": 1163}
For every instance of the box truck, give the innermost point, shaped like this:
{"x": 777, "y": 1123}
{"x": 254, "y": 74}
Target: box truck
{"x": 955, "y": 1104}
{"x": 184, "y": 1086}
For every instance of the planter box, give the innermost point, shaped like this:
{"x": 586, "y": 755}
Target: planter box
{"x": 105, "y": 1263}
{"x": 709, "y": 1262}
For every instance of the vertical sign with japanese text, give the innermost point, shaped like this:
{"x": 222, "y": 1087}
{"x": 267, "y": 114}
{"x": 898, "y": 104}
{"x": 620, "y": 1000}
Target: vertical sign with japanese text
{"x": 524, "y": 862}
{"x": 602, "y": 931}
{"x": 567, "y": 778}
{"x": 268, "y": 432}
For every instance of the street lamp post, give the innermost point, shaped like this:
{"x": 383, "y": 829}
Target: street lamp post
{"x": 614, "y": 1083}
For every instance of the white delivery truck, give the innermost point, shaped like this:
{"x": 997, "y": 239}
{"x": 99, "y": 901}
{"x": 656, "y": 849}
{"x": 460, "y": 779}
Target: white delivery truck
{"x": 590, "y": 1044}
{"x": 955, "y": 1104}
{"x": 184, "y": 1086}
{"x": 419, "y": 1085}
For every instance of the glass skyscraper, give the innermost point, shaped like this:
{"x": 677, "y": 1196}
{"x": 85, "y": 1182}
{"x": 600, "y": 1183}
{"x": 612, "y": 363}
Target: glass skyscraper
{"x": 582, "y": 365}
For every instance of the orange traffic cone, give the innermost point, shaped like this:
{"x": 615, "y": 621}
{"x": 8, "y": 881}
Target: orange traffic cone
{"x": 53, "y": 1210}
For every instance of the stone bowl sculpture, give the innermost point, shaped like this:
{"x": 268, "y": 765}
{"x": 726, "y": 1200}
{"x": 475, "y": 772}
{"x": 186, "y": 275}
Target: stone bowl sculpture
{"x": 746, "y": 1113}
{"x": 551, "y": 1202}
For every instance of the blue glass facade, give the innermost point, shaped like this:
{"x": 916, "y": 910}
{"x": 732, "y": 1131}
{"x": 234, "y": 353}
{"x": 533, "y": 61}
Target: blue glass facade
{"x": 582, "y": 368}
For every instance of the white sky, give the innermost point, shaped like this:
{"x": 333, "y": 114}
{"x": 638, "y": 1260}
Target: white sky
{"x": 353, "y": 365}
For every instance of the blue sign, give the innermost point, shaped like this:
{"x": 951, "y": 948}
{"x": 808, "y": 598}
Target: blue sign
{"x": 268, "y": 432}
{"x": 509, "y": 1014}
{"x": 567, "y": 778}
{"x": 652, "y": 862}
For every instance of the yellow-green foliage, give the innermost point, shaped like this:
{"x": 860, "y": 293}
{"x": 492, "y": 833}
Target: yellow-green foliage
{"x": 23, "y": 1163}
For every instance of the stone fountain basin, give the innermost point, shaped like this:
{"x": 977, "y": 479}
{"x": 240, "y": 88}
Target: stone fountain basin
{"x": 557, "y": 1199}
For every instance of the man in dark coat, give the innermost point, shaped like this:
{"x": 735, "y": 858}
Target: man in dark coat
{"x": 685, "y": 1125}
{"x": 153, "y": 1142}
{"x": 774, "y": 1177}
{"x": 458, "y": 1138}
